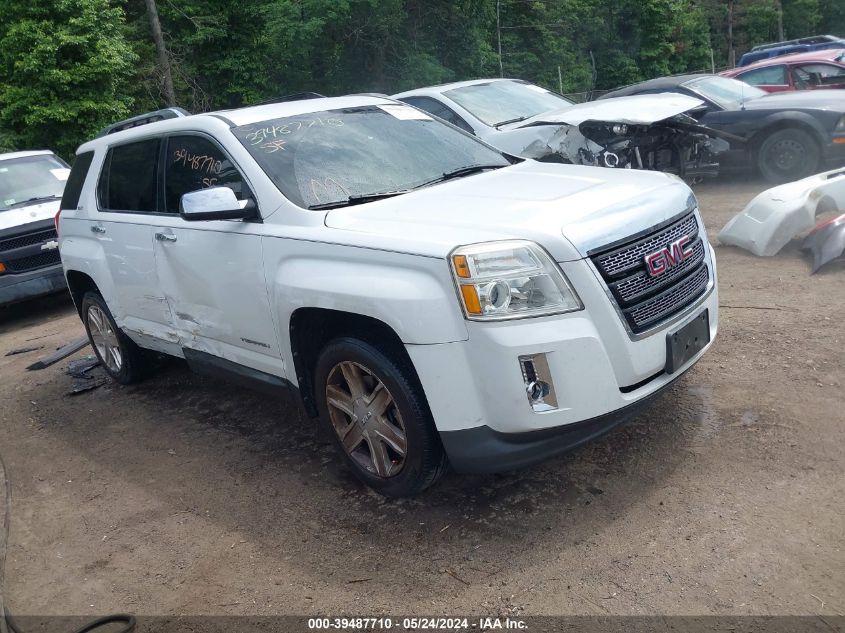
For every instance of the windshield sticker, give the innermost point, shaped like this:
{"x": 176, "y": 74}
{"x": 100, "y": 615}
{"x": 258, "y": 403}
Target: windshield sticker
{"x": 405, "y": 113}
{"x": 60, "y": 173}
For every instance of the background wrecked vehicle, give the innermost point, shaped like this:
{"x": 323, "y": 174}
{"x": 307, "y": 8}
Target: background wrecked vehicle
{"x": 786, "y": 136}
{"x": 526, "y": 120}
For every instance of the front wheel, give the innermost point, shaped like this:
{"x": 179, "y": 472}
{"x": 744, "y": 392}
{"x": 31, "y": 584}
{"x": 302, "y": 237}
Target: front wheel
{"x": 378, "y": 417}
{"x": 787, "y": 155}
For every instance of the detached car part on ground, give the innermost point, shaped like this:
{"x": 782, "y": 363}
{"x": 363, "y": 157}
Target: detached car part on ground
{"x": 826, "y": 242}
{"x": 786, "y": 136}
{"x": 432, "y": 300}
{"x": 31, "y": 185}
{"x": 777, "y": 215}
{"x": 647, "y": 132}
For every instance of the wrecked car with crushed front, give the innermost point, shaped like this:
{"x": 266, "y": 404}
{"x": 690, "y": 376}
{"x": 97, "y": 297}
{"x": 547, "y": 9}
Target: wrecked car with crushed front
{"x": 653, "y": 133}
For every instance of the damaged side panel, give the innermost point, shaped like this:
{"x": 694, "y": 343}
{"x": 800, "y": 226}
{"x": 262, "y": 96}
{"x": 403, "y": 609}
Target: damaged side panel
{"x": 778, "y": 214}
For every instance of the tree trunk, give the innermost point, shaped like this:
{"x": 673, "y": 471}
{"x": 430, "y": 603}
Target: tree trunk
{"x": 163, "y": 57}
{"x": 731, "y": 51}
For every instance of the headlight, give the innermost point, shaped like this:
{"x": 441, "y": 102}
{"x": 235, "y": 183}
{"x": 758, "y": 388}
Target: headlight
{"x": 509, "y": 280}
{"x": 840, "y": 127}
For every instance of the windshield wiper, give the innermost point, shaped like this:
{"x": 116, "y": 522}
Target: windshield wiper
{"x": 516, "y": 120}
{"x": 458, "y": 173}
{"x": 363, "y": 198}
{"x": 360, "y": 198}
{"x": 31, "y": 200}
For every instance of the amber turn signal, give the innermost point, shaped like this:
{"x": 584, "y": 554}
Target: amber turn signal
{"x": 461, "y": 266}
{"x": 471, "y": 302}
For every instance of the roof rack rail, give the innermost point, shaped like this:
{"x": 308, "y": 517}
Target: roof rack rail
{"x": 143, "y": 119}
{"x": 814, "y": 39}
{"x": 297, "y": 96}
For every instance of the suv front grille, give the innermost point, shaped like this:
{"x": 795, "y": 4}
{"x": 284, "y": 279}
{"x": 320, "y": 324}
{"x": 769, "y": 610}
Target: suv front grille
{"x": 647, "y": 301}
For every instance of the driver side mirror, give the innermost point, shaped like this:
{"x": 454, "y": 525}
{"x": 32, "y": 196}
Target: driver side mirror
{"x": 215, "y": 203}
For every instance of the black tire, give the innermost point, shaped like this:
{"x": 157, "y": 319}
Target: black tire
{"x": 424, "y": 460}
{"x": 134, "y": 361}
{"x": 787, "y": 155}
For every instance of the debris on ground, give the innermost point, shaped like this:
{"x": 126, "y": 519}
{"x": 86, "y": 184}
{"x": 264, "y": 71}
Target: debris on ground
{"x": 24, "y": 350}
{"x": 80, "y": 369}
{"x": 88, "y": 383}
{"x": 776, "y": 215}
{"x": 62, "y": 352}
{"x": 826, "y": 241}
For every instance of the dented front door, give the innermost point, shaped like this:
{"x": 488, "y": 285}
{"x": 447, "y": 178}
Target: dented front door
{"x": 212, "y": 272}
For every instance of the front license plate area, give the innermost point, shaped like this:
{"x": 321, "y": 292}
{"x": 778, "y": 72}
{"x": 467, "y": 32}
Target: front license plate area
{"x": 687, "y": 342}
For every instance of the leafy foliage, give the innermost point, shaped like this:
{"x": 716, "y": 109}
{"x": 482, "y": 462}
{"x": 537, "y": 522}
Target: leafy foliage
{"x": 64, "y": 71}
{"x": 68, "y": 67}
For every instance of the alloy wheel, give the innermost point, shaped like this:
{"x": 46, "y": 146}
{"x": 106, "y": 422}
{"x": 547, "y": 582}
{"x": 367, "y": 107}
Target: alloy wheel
{"x": 366, "y": 419}
{"x": 104, "y": 339}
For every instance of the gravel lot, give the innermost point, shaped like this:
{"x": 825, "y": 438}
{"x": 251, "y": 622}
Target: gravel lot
{"x": 183, "y": 495}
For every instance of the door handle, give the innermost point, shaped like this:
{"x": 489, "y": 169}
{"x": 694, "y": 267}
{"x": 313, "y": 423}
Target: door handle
{"x": 165, "y": 237}
{"x": 96, "y": 228}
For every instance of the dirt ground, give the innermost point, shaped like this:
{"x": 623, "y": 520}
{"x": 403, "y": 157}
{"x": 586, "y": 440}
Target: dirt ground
{"x": 183, "y": 495}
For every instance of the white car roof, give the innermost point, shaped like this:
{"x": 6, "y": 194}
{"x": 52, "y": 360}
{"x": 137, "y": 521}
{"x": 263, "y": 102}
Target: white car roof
{"x": 238, "y": 116}
{"x": 441, "y": 88}
{"x": 27, "y": 154}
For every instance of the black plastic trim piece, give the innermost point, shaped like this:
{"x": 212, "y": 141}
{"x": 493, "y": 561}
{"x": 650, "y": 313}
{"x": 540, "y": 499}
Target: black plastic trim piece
{"x": 210, "y": 365}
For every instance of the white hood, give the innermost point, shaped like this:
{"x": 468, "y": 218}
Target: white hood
{"x": 18, "y": 216}
{"x": 543, "y": 202}
{"x": 633, "y": 110}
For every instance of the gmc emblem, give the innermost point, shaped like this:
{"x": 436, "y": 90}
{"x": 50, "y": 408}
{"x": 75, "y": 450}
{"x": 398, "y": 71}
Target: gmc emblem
{"x": 669, "y": 256}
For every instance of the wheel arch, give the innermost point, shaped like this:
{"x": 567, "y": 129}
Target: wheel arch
{"x": 311, "y": 328}
{"x": 79, "y": 283}
{"x": 787, "y": 121}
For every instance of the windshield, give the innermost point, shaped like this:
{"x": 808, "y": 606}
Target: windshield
{"x": 31, "y": 179}
{"x": 725, "y": 92}
{"x": 506, "y": 101}
{"x": 331, "y": 157}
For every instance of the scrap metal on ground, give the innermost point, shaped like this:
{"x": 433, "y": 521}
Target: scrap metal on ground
{"x": 777, "y": 215}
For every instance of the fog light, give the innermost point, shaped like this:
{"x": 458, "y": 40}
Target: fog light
{"x": 538, "y": 382}
{"x": 537, "y": 390}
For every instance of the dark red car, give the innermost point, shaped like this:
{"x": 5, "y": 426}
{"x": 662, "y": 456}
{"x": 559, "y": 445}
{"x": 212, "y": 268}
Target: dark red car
{"x": 801, "y": 71}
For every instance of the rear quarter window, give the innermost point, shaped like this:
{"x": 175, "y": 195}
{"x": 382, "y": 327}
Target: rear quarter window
{"x": 76, "y": 179}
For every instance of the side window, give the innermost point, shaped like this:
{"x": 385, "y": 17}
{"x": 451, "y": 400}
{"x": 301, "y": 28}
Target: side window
{"x": 441, "y": 111}
{"x": 768, "y": 76}
{"x": 193, "y": 163}
{"x": 129, "y": 178}
{"x": 820, "y": 74}
{"x": 73, "y": 186}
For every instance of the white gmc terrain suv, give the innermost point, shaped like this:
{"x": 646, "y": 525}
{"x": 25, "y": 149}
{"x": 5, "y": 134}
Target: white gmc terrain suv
{"x": 432, "y": 300}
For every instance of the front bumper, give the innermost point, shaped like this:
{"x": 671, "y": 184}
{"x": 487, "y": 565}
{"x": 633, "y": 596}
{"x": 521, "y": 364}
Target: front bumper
{"x": 483, "y": 450}
{"x": 22, "y": 286}
{"x": 601, "y": 375}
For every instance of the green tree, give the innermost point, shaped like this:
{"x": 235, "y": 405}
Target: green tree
{"x": 801, "y": 18}
{"x": 64, "y": 68}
